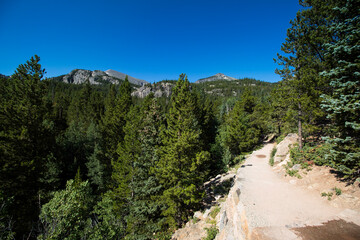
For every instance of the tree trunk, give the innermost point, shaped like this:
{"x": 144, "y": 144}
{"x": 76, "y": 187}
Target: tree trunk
{"x": 300, "y": 127}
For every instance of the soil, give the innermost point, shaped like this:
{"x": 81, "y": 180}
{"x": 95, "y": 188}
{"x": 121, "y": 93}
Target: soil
{"x": 284, "y": 207}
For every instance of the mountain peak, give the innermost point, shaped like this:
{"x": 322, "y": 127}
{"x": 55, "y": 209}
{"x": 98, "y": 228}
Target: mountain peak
{"x": 119, "y": 75}
{"x": 79, "y": 76}
{"x": 216, "y": 77}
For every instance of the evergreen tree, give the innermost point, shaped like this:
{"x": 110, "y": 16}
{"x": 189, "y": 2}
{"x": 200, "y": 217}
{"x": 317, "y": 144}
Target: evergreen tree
{"x": 242, "y": 134}
{"x": 25, "y": 143}
{"x": 114, "y": 120}
{"x": 281, "y": 113}
{"x": 343, "y": 104}
{"x": 179, "y": 166}
{"x": 145, "y": 207}
{"x": 123, "y": 167}
{"x": 303, "y": 60}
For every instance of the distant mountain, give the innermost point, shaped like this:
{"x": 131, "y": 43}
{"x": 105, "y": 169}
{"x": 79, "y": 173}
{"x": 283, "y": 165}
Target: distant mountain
{"x": 216, "y": 77}
{"x": 79, "y": 76}
{"x": 120, "y": 75}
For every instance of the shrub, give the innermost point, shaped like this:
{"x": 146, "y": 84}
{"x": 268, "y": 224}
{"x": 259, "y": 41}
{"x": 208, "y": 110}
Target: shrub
{"x": 329, "y": 195}
{"x": 337, "y": 191}
{"x": 316, "y": 154}
{"x": 215, "y": 212}
{"x": 211, "y": 233}
{"x": 272, "y": 155}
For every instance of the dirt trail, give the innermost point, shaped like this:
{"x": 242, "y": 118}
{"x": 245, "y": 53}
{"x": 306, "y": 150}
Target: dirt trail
{"x": 276, "y": 209}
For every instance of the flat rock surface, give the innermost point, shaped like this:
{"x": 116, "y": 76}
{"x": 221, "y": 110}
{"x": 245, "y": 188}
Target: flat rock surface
{"x": 278, "y": 209}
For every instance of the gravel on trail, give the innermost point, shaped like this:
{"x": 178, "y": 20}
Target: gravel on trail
{"x": 277, "y": 209}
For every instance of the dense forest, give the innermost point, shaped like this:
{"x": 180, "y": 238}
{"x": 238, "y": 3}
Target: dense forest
{"x": 92, "y": 162}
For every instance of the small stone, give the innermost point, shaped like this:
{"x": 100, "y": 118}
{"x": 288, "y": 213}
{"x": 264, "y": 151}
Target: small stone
{"x": 198, "y": 215}
{"x": 296, "y": 167}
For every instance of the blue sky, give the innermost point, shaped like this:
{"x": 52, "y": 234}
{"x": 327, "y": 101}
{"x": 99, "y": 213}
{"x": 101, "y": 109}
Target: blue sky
{"x": 151, "y": 40}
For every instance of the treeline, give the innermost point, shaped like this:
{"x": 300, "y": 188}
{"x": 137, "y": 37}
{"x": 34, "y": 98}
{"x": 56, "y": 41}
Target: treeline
{"x": 319, "y": 95}
{"x": 93, "y": 162}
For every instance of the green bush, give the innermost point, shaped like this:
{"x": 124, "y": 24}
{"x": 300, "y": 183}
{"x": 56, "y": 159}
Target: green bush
{"x": 272, "y": 155}
{"x": 211, "y": 233}
{"x": 316, "y": 154}
{"x": 329, "y": 195}
{"x": 215, "y": 212}
{"x": 239, "y": 159}
{"x": 337, "y": 191}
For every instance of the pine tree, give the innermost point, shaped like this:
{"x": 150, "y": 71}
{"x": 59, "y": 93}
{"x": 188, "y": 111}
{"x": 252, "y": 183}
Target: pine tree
{"x": 179, "y": 166}
{"x": 127, "y": 151}
{"x": 145, "y": 206}
{"x": 303, "y": 60}
{"x": 343, "y": 104}
{"x": 242, "y": 134}
{"x": 114, "y": 120}
{"x": 25, "y": 143}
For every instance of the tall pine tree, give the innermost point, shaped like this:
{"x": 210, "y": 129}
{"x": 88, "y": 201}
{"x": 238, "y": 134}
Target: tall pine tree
{"x": 25, "y": 144}
{"x": 179, "y": 166}
{"x": 302, "y": 60}
{"x": 343, "y": 104}
{"x": 145, "y": 206}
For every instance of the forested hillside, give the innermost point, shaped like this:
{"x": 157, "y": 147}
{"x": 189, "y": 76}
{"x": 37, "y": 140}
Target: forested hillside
{"x": 94, "y": 162}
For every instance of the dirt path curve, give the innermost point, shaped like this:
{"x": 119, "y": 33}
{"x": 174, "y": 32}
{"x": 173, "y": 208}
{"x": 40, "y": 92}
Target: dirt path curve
{"x": 276, "y": 209}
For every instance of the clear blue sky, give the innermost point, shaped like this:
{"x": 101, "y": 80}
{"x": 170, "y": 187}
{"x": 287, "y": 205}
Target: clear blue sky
{"x": 147, "y": 39}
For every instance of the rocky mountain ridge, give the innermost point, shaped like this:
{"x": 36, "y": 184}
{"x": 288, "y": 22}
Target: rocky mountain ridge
{"x": 79, "y": 76}
{"x": 216, "y": 77}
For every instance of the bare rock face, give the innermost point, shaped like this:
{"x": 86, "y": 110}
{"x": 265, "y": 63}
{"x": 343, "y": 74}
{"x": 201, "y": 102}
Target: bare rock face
{"x": 233, "y": 222}
{"x": 79, "y": 76}
{"x": 283, "y": 148}
{"x": 159, "y": 89}
{"x": 216, "y": 77}
{"x": 119, "y": 75}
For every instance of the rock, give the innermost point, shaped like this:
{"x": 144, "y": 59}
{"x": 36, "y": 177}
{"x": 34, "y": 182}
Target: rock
{"x": 269, "y": 138}
{"x": 159, "y": 89}
{"x": 131, "y": 79}
{"x": 216, "y": 77}
{"x": 227, "y": 177}
{"x": 223, "y": 221}
{"x": 79, "y": 76}
{"x": 296, "y": 167}
{"x": 286, "y": 160}
{"x": 233, "y": 222}
{"x": 198, "y": 215}
{"x": 282, "y": 149}
{"x": 206, "y": 213}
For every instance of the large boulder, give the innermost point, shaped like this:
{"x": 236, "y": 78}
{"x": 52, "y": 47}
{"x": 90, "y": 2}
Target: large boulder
{"x": 283, "y": 148}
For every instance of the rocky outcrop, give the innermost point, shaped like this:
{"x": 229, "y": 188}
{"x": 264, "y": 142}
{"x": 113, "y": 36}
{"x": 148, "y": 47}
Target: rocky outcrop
{"x": 216, "y": 77}
{"x": 120, "y": 75}
{"x": 233, "y": 222}
{"x": 283, "y": 148}
{"x": 79, "y": 76}
{"x": 160, "y": 89}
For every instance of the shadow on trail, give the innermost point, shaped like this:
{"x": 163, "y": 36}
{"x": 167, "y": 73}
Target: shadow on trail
{"x": 217, "y": 188}
{"x": 332, "y": 230}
